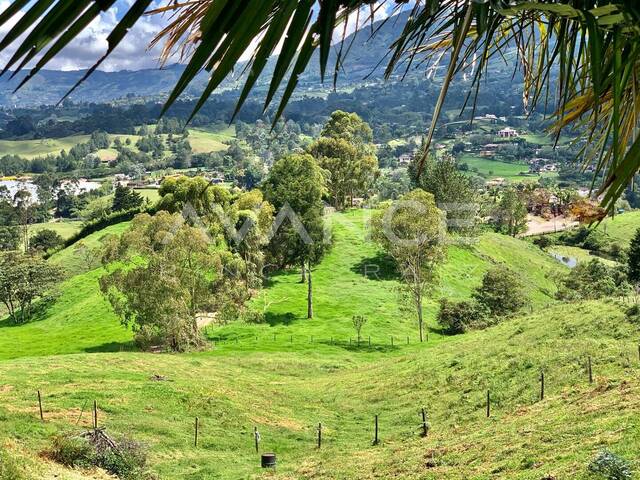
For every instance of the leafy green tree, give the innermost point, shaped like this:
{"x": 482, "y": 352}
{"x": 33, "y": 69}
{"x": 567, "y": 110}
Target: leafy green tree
{"x": 633, "y": 258}
{"x": 346, "y": 151}
{"x": 45, "y": 239}
{"x": 125, "y": 198}
{"x": 412, "y": 231}
{"x": 501, "y": 292}
{"x": 452, "y": 189}
{"x": 295, "y": 187}
{"x": 9, "y": 238}
{"x": 23, "y": 280}
{"x": 161, "y": 296}
{"x": 511, "y": 215}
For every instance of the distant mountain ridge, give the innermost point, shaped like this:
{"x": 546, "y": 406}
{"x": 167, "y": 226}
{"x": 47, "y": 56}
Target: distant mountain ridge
{"x": 49, "y": 86}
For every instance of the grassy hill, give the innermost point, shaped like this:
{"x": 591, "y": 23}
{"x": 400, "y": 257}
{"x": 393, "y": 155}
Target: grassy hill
{"x": 341, "y": 290}
{"x": 286, "y": 392}
{"x": 621, "y": 228}
{"x": 289, "y": 374}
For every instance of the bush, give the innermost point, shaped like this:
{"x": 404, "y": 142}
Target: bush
{"x": 592, "y": 280}
{"x": 501, "y": 293}
{"x": 458, "y": 317}
{"x": 543, "y": 241}
{"x": 9, "y": 469}
{"x": 610, "y": 466}
{"x": 72, "y": 451}
{"x": 124, "y": 458}
{"x": 45, "y": 239}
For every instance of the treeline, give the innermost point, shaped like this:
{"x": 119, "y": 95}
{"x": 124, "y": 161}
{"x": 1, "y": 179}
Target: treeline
{"x": 393, "y": 110}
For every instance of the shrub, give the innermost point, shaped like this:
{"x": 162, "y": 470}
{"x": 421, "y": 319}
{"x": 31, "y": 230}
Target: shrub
{"x": 123, "y": 458}
{"x": 502, "y": 292}
{"x": 45, "y": 239}
{"x": 458, "y": 317}
{"x": 543, "y": 241}
{"x": 72, "y": 451}
{"x": 592, "y": 280}
{"x": 610, "y": 466}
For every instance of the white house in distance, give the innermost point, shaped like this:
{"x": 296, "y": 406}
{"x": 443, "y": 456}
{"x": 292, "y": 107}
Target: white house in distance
{"x": 508, "y": 132}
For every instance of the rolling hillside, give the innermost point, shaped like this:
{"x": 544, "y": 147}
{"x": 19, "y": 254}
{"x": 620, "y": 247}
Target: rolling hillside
{"x": 289, "y": 374}
{"x": 81, "y": 320}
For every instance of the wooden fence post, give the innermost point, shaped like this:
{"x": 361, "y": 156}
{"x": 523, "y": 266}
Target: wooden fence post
{"x": 195, "y": 440}
{"x": 488, "y": 403}
{"x": 376, "y": 441}
{"x": 542, "y": 385}
{"x": 590, "y": 371}
{"x": 256, "y": 436}
{"x": 95, "y": 415}
{"x": 425, "y": 428}
{"x": 319, "y": 435}
{"x": 40, "y": 406}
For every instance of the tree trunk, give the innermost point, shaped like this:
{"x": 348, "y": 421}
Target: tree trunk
{"x": 420, "y": 326}
{"x": 303, "y": 270}
{"x": 309, "y": 295}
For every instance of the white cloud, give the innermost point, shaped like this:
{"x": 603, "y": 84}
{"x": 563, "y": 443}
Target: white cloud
{"x": 91, "y": 44}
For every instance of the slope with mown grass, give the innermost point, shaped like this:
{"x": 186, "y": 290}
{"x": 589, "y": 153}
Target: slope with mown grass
{"x": 287, "y": 393}
{"x": 353, "y": 279}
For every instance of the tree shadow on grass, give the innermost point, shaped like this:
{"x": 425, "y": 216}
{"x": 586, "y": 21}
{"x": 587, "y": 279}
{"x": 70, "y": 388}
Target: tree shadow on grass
{"x": 112, "y": 347}
{"x": 38, "y": 313}
{"x": 279, "y": 318}
{"x": 363, "y": 347}
{"x": 380, "y": 267}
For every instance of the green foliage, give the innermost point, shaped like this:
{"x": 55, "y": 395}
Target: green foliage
{"x": 510, "y": 217}
{"x": 460, "y": 317}
{"x": 45, "y": 239}
{"x": 125, "y": 198}
{"x": 452, "y": 189}
{"x": 412, "y": 231}
{"x": 346, "y": 152}
{"x": 609, "y": 466}
{"x": 161, "y": 297}
{"x": 23, "y": 280}
{"x": 633, "y": 262}
{"x": 71, "y": 451}
{"x": 9, "y": 238}
{"x": 126, "y": 459}
{"x": 359, "y": 321}
{"x": 502, "y": 292}
{"x": 297, "y": 182}
{"x": 592, "y": 280}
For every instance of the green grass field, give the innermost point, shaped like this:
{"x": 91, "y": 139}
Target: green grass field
{"x": 205, "y": 141}
{"x": 494, "y": 168}
{"x": 72, "y": 261}
{"x": 622, "y": 227}
{"x": 65, "y": 228}
{"x": 40, "y": 147}
{"x": 289, "y": 374}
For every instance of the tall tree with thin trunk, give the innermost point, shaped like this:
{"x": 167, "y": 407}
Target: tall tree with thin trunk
{"x": 412, "y": 231}
{"x": 295, "y": 187}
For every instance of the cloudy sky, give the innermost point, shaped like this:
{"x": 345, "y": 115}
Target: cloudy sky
{"x": 131, "y": 54}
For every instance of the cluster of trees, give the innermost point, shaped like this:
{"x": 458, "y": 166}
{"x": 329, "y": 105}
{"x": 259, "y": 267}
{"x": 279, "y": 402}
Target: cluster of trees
{"x": 24, "y": 281}
{"x": 345, "y": 150}
{"x": 501, "y": 294}
{"x": 77, "y": 158}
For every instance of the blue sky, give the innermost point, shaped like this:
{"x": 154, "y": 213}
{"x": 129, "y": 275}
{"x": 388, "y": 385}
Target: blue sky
{"x": 132, "y": 53}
